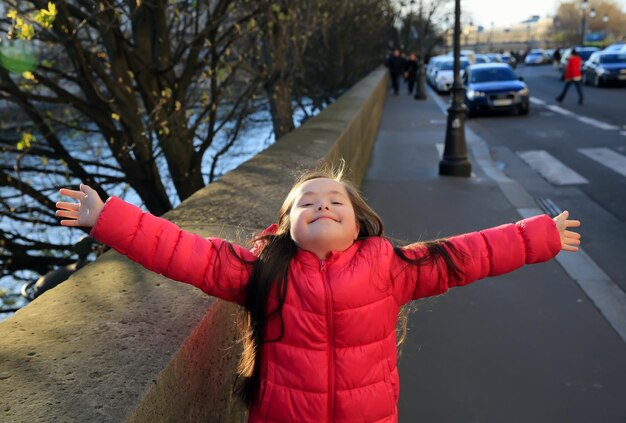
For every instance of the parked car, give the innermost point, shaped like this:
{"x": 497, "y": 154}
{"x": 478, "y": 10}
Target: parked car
{"x": 494, "y": 87}
{"x": 444, "y": 74}
{"x": 493, "y": 57}
{"x": 469, "y": 55}
{"x": 432, "y": 67}
{"x": 482, "y": 58}
{"x": 605, "y": 67}
{"x": 535, "y": 57}
{"x": 616, "y": 47}
{"x": 583, "y": 52}
{"x": 509, "y": 60}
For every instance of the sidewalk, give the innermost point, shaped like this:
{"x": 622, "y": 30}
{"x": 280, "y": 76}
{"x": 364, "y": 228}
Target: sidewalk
{"x": 525, "y": 347}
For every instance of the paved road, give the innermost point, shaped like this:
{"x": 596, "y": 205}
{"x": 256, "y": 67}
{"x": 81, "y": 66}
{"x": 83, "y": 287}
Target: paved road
{"x": 530, "y": 346}
{"x": 590, "y": 140}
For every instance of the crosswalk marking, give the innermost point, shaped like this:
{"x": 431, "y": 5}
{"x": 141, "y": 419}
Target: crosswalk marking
{"x": 606, "y": 157}
{"x": 596, "y": 123}
{"x": 550, "y": 168}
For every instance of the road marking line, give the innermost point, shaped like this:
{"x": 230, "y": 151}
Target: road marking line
{"x": 606, "y": 157}
{"x": 599, "y": 287}
{"x": 551, "y": 168}
{"x": 623, "y": 133}
{"x": 584, "y": 119}
{"x": 538, "y": 101}
{"x": 596, "y": 123}
{"x": 439, "y": 146}
{"x": 559, "y": 110}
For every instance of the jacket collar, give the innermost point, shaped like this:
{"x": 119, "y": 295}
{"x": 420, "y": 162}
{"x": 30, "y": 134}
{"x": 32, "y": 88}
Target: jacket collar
{"x": 334, "y": 258}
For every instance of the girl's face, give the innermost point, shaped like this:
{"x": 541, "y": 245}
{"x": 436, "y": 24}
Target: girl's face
{"x": 322, "y": 218}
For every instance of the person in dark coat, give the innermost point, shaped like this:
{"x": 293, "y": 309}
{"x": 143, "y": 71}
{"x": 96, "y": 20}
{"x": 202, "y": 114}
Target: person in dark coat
{"x": 395, "y": 63}
{"x": 410, "y": 71}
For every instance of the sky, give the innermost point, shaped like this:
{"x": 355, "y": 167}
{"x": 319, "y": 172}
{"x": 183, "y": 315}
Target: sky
{"x": 507, "y": 12}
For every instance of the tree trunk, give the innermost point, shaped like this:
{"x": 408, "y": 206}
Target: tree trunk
{"x": 279, "y": 82}
{"x": 279, "y": 94}
{"x": 421, "y": 76}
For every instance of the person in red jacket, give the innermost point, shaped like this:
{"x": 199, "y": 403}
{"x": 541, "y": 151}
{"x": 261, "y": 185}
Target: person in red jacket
{"x": 573, "y": 75}
{"x": 322, "y": 289}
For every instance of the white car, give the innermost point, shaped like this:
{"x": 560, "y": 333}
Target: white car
{"x": 444, "y": 76}
{"x": 432, "y": 67}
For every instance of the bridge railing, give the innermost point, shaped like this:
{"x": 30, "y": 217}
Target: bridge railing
{"x": 116, "y": 342}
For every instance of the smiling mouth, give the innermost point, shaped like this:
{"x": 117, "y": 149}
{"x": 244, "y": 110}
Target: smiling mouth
{"x": 323, "y": 217}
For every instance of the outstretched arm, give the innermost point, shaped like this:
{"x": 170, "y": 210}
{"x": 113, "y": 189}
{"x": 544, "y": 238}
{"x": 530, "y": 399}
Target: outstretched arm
{"x": 215, "y": 266}
{"x": 490, "y": 252}
{"x": 86, "y": 212}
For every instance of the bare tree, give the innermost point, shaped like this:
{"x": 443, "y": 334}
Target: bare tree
{"x": 420, "y": 33}
{"x": 353, "y": 41}
{"x": 569, "y": 15}
{"x": 123, "y": 92}
{"x": 134, "y": 97}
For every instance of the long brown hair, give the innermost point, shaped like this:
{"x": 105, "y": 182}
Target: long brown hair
{"x": 270, "y": 273}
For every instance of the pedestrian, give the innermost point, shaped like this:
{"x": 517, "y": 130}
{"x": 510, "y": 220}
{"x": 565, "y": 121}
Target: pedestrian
{"x": 573, "y": 75}
{"x": 322, "y": 288}
{"x": 395, "y": 63}
{"x": 410, "y": 72}
{"x": 556, "y": 57}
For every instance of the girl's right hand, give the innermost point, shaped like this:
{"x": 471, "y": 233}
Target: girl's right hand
{"x": 83, "y": 213}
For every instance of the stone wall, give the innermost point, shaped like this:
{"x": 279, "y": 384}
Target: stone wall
{"x": 118, "y": 343}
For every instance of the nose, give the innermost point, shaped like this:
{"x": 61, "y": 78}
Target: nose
{"x": 322, "y": 206}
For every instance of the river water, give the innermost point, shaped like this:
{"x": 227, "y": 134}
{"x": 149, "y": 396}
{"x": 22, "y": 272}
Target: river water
{"x": 254, "y": 139}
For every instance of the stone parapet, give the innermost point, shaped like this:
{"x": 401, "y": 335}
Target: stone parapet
{"x": 117, "y": 343}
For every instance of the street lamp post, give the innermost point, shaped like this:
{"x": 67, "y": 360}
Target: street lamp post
{"x": 445, "y": 37}
{"x": 455, "y": 161}
{"x": 583, "y": 22}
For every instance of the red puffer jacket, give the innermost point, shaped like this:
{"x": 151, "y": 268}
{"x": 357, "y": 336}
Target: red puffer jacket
{"x": 573, "y": 69}
{"x": 337, "y": 359}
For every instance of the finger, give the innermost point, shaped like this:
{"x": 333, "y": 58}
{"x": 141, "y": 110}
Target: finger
{"x": 569, "y": 248}
{"x": 77, "y": 195}
{"x": 69, "y": 223}
{"x": 86, "y": 189}
{"x": 67, "y": 213}
{"x": 572, "y": 223}
{"x": 67, "y": 206}
{"x": 571, "y": 234}
{"x": 571, "y": 241}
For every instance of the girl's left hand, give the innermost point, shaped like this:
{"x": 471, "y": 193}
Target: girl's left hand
{"x": 569, "y": 239}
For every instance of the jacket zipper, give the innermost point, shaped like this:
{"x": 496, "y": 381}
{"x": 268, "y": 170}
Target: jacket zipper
{"x": 331, "y": 344}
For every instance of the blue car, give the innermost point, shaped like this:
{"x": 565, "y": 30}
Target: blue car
{"x": 494, "y": 87}
{"x": 604, "y": 68}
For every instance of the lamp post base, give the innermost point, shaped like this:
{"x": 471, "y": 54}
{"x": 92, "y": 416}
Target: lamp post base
{"x": 461, "y": 168}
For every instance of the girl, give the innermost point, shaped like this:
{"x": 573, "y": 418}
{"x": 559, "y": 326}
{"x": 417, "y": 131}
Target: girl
{"x": 322, "y": 289}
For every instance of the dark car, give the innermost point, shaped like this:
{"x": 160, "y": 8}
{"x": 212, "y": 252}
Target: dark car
{"x": 603, "y": 68}
{"x": 583, "y": 52}
{"x": 509, "y": 60}
{"x": 494, "y": 87}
